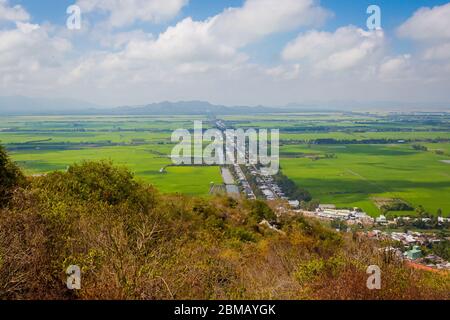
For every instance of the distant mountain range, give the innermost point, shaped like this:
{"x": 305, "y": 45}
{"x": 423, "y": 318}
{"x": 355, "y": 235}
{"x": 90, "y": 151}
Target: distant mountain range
{"x": 37, "y": 106}
{"x": 194, "y": 108}
{"x": 19, "y": 105}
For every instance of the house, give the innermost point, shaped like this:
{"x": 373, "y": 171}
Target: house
{"x": 413, "y": 254}
{"x": 294, "y": 204}
{"x": 327, "y": 207}
{"x": 443, "y": 220}
{"x": 381, "y": 220}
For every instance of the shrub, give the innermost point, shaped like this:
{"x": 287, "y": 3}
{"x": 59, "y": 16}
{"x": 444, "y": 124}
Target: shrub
{"x": 133, "y": 243}
{"x": 10, "y": 177}
{"x": 96, "y": 182}
{"x": 259, "y": 210}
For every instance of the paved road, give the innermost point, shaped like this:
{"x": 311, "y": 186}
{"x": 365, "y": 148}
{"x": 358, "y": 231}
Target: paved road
{"x": 227, "y": 176}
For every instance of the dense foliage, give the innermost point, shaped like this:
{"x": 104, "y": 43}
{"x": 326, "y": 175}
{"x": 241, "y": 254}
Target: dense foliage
{"x": 10, "y": 177}
{"x": 133, "y": 243}
{"x": 291, "y": 189}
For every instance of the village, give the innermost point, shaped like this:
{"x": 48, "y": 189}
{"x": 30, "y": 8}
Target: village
{"x": 406, "y": 246}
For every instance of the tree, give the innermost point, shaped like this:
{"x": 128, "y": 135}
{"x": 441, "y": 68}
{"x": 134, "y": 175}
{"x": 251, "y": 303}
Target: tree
{"x": 339, "y": 225}
{"x": 96, "y": 182}
{"x": 260, "y": 210}
{"x": 420, "y": 211}
{"x": 10, "y": 177}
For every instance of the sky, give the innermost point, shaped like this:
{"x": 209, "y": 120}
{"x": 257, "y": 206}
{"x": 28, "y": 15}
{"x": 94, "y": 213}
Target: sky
{"x": 232, "y": 52}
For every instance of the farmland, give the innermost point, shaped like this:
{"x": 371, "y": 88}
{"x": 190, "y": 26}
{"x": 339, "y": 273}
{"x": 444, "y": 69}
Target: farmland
{"x": 372, "y": 155}
{"x": 43, "y": 144}
{"x": 359, "y": 173}
{"x": 355, "y": 160}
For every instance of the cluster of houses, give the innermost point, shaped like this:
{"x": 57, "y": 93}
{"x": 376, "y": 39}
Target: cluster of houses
{"x": 329, "y": 212}
{"x": 435, "y": 262}
{"x": 247, "y": 189}
{"x": 265, "y": 184}
{"x": 382, "y": 220}
{"x": 412, "y": 253}
{"x": 414, "y": 238}
{"x": 409, "y": 238}
{"x": 415, "y": 258}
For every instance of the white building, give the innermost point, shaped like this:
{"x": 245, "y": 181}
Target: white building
{"x": 294, "y": 204}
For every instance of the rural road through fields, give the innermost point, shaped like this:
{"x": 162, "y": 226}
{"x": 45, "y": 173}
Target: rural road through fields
{"x": 227, "y": 176}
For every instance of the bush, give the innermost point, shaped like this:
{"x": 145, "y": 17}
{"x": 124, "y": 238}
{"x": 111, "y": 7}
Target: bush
{"x": 133, "y": 243}
{"x": 317, "y": 268}
{"x": 259, "y": 210}
{"x": 10, "y": 177}
{"x": 96, "y": 182}
{"x": 291, "y": 189}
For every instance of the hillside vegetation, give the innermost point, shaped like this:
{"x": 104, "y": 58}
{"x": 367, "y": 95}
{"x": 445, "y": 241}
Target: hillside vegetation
{"x": 132, "y": 242}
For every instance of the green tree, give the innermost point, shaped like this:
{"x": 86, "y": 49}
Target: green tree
{"x": 260, "y": 210}
{"x": 10, "y": 177}
{"x": 96, "y": 182}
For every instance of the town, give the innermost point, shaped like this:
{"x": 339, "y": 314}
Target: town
{"x": 408, "y": 243}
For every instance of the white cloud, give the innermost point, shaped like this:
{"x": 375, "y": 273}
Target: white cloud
{"x": 209, "y": 60}
{"x": 346, "y": 48}
{"x": 19, "y": 69}
{"x": 197, "y": 46}
{"x": 259, "y": 18}
{"x": 122, "y": 13}
{"x": 188, "y": 41}
{"x": 16, "y": 13}
{"x": 283, "y": 72}
{"x": 429, "y": 29}
{"x": 428, "y": 24}
{"x": 438, "y": 52}
{"x": 396, "y": 67}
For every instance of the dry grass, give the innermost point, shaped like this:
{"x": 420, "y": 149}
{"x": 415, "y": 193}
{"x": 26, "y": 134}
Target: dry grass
{"x": 176, "y": 247}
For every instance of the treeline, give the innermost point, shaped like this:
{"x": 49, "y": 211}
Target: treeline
{"x": 48, "y": 145}
{"x": 291, "y": 189}
{"x": 419, "y": 147}
{"x": 131, "y": 242}
{"x": 396, "y": 206}
{"x": 10, "y": 178}
{"x": 369, "y": 141}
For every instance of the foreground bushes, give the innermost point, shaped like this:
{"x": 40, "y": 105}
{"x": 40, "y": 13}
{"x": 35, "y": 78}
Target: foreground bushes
{"x": 133, "y": 243}
{"x": 10, "y": 178}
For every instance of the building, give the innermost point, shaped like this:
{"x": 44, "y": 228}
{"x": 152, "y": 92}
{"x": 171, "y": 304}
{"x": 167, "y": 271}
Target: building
{"x": 327, "y": 207}
{"x": 381, "y": 220}
{"x": 414, "y": 254}
{"x": 294, "y": 204}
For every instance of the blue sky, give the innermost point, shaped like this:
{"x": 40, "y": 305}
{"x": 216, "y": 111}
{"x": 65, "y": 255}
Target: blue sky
{"x": 259, "y": 52}
{"x": 345, "y": 12}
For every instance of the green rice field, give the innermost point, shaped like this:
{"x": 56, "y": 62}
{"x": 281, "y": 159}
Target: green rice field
{"x": 360, "y": 173}
{"x": 346, "y": 174}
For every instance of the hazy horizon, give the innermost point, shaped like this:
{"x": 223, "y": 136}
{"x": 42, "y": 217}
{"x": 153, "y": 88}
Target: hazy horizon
{"x": 24, "y": 105}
